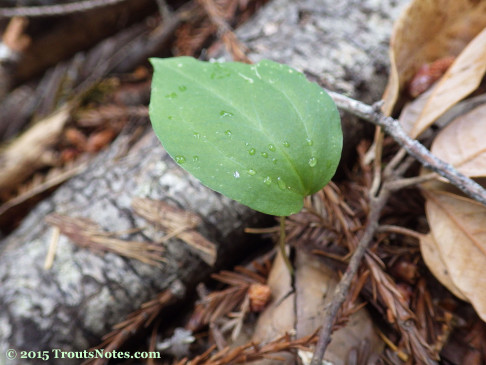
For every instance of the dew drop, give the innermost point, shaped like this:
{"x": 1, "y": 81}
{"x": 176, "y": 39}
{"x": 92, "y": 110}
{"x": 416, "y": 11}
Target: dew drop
{"x": 267, "y": 180}
{"x": 228, "y": 132}
{"x": 264, "y": 155}
{"x": 328, "y": 164}
{"x": 180, "y": 159}
{"x": 274, "y": 160}
{"x": 252, "y": 151}
{"x": 179, "y": 65}
{"x": 281, "y": 184}
{"x": 272, "y": 147}
{"x": 224, "y": 113}
{"x": 196, "y": 135}
{"x": 182, "y": 88}
{"x": 170, "y": 117}
{"x": 312, "y": 161}
{"x": 251, "y": 172}
{"x": 286, "y": 144}
{"x": 309, "y": 142}
{"x": 195, "y": 158}
{"x": 171, "y": 96}
{"x": 236, "y": 174}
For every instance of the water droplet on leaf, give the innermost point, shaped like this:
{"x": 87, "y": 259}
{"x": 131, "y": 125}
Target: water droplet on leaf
{"x": 274, "y": 160}
{"x": 264, "y": 155}
{"x": 228, "y": 132}
{"x": 197, "y": 135}
{"x": 182, "y": 88}
{"x": 281, "y": 184}
{"x": 252, "y": 151}
{"x": 251, "y": 172}
{"x": 286, "y": 144}
{"x": 171, "y": 96}
{"x": 267, "y": 180}
{"x": 195, "y": 158}
{"x": 236, "y": 174}
{"x": 312, "y": 161}
{"x": 309, "y": 142}
{"x": 272, "y": 147}
{"x": 224, "y": 113}
{"x": 180, "y": 159}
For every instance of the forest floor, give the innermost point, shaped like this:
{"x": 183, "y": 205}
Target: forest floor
{"x": 418, "y": 294}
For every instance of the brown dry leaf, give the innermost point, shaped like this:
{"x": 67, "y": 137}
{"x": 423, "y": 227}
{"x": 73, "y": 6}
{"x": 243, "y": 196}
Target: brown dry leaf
{"x": 411, "y": 112}
{"x": 433, "y": 260}
{"x": 427, "y": 31}
{"x": 279, "y": 316}
{"x": 458, "y": 226}
{"x": 315, "y": 283}
{"x": 461, "y": 79}
{"x": 301, "y": 310}
{"x": 463, "y": 144}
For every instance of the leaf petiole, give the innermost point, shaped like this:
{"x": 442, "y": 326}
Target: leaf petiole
{"x": 281, "y": 242}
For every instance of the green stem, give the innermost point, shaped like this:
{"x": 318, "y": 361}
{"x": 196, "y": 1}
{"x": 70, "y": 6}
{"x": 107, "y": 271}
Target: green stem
{"x": 281, "y": 242}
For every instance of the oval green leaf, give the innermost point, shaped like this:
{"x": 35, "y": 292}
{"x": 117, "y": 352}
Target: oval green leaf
{"x": 260, "y": 134}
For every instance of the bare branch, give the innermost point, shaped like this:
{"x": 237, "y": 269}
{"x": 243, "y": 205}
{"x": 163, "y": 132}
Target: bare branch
{"x": 412, "y": 146}
{"x": 55, "y": 10}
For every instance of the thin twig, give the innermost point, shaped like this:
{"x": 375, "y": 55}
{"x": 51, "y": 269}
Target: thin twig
{"x": 411, "y": 181}
{"x": 234, "y": 47}
{"x": 164, "y": 9}
{"x": 412, "y": 146}
{"x": 399, "y": 156}
{"x": 56, "y": 10}
{"x": 388, "y": 228}
{"x": 342, "y": 289}
{"x": 378, "y": 147}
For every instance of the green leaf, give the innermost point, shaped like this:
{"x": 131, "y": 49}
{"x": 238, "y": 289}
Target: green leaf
{"x": 260, "y": 134}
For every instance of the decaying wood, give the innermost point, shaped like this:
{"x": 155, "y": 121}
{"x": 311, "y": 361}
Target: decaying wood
{"x": 343, "y": 45}
{"x": 31, "y": 151}
{"x": 72, "y": 305}
{"x": 177, "y": 223}
{"x": 88, "y": 234}
{"x": 85, "y": 29}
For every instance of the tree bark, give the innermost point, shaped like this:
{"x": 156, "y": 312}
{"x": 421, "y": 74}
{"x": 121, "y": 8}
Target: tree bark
{"x": 77, "y": 301}
{"x": 343, "y": 45}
